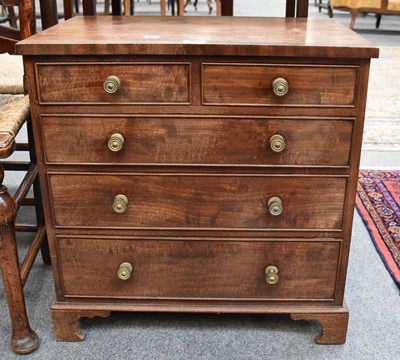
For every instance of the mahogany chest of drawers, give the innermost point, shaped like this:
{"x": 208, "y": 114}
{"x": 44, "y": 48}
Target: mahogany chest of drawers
{"x": 198, "y": 164}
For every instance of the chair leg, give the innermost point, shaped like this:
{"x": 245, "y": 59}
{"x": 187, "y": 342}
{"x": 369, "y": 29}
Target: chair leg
{"x": 24, "y": 339}
{"x": 330, "y": 10}
{"x": 219, "y": 8}
{"x": 354, "y": 13}
{"x": 48, "y": 10}
{"x": 40, "y": 220}
{"x": 68, "y": 9}
{"x": 127, "y": 7}
{"x": 378, "y": 20}
{"x": 162, "y": 5}
{"x": 116, "y": 7}
{"x": 37, "y": 195}
{"x": 12, "y": 17}
{"x": 106, "y": 7}
{"x": 171, "y": 3}
{"x": 181, "y": 8}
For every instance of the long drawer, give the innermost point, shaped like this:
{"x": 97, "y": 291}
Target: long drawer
{"x": 252, "y": 84}
{"x": 83, "y": 83}
{"x": 197, "y": 140}
{"x": 197, "y": 269}
{"x": 197, "y": 201}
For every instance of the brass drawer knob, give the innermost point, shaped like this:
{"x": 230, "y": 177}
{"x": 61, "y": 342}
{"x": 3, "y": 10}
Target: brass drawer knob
{"x": 280, "y": 87}
{"x": 120, "y": 203}
{"x": 271, "y": 275}
{"x": 277, "y": 143}
{"x": 275, "y": 206}
{"x": 116, "y": 142}
{"x": 125, "y": 271}
{"x": 112, "y": 84}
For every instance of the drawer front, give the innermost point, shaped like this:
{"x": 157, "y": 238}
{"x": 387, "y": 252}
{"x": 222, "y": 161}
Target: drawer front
{"x": 198, "y": 269}
{"x": 192, "y": 201}
{"x": 247, "y": 84}
{"x": 197, "y": 141}
{"x": 82, "y": 83}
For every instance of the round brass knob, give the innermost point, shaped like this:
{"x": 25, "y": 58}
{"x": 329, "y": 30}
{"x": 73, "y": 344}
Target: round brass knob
{"x": 116, "y": 142}
{"x": 271, "y": 275}
{"x": 277, "y": 143}
{"x": 120, "y": 203}
{"x": 275, "y": 206}
{"x": 280, "y": 87}
{"x": 112, "y": 84}
{"x": 125, "y": 271}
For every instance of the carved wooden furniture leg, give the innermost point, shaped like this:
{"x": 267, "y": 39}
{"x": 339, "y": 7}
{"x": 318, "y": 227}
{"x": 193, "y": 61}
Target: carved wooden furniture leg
{"x": 334, "y": 326}
{"x": 24, "y": 339}
{"x": 66, "y": 323}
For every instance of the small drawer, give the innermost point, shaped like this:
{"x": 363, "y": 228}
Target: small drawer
{"x": 187, "y": 269}
{"x": 196, "y": 141}
{"x": 197, "y": 201}
{"x": 254, "y": 85}
{"x": 113, "y": 83}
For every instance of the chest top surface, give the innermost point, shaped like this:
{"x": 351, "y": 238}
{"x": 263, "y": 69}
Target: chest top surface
{"x": 244, "y": 36}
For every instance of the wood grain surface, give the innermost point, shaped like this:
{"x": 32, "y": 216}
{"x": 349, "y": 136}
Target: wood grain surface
{"x": 251, "y": 84}
{"x": 197, "y": 201}
{"x": 140, "y": 83}
{"x": 196, "y": 140}
{"x": 198, "y": 269}
{"x": 171, "y": 35}
{"x": 197, "y": 111}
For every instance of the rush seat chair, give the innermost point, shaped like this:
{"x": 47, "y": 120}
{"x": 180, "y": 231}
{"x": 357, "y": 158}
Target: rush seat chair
{"x": 14, "y": 115}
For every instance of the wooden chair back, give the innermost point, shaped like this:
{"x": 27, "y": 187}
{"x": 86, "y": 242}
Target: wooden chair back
{"x": 9, "y": 36}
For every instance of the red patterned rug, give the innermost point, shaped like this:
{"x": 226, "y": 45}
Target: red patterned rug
{"x": 378, "y": 203}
